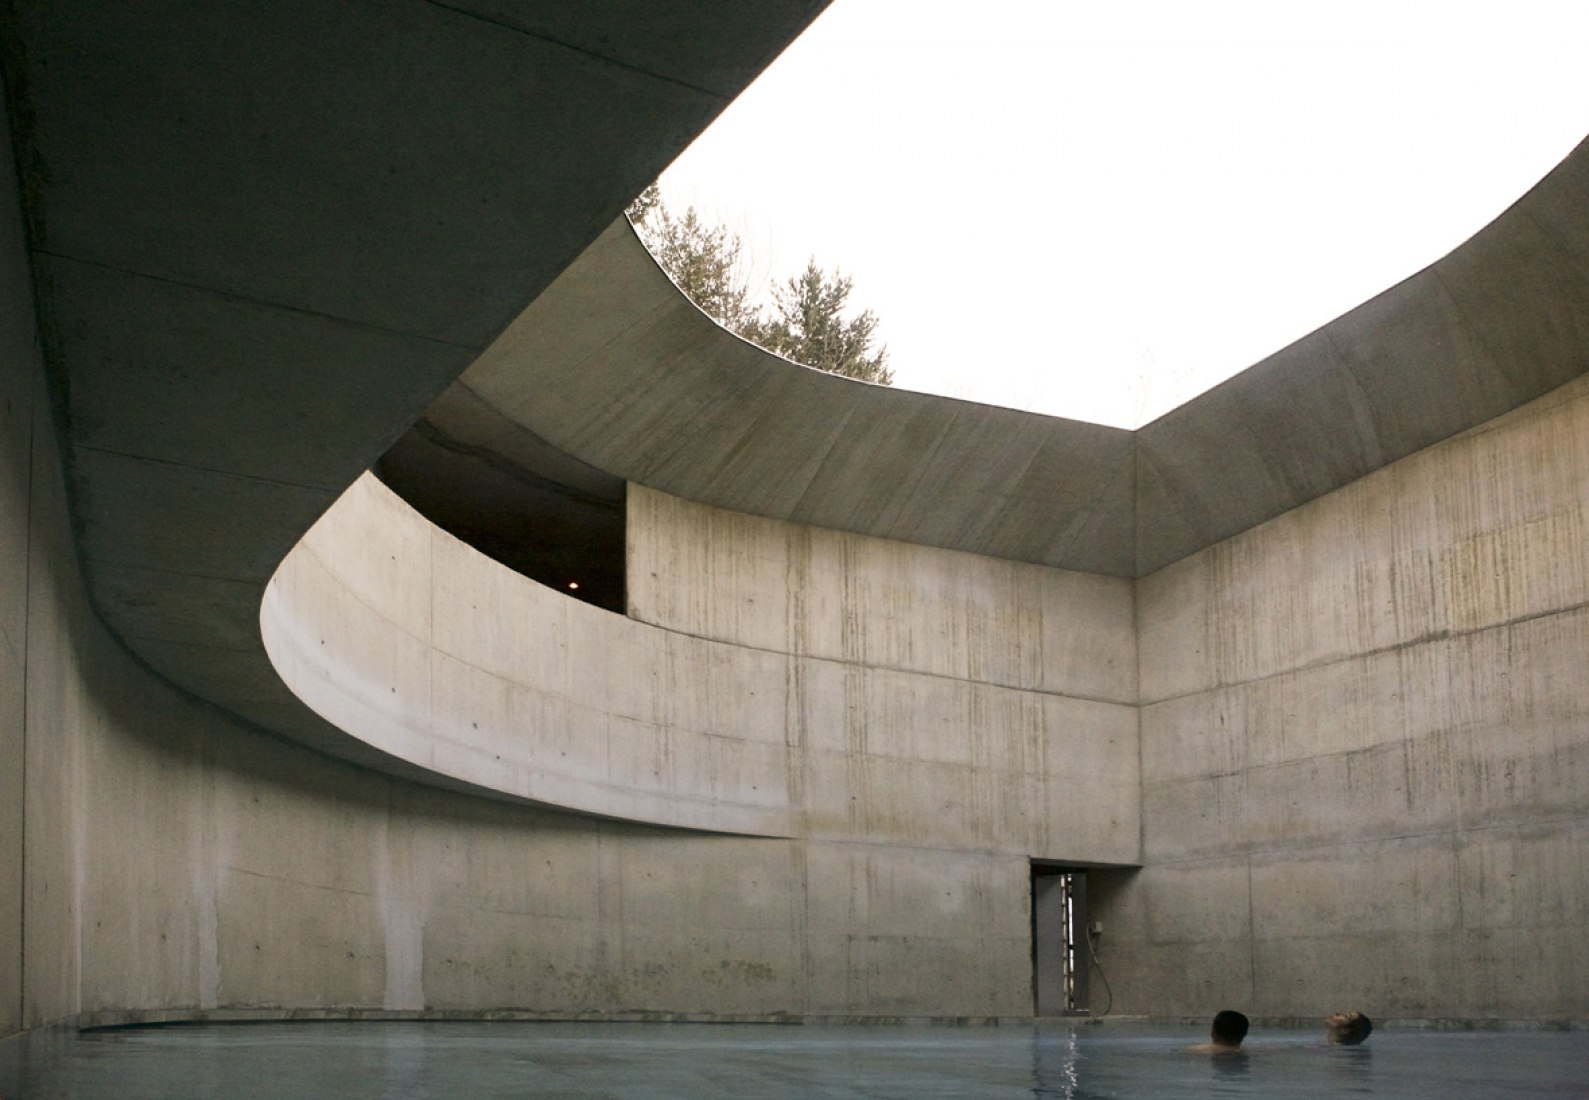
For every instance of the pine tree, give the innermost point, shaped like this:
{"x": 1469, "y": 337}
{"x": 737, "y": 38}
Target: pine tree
{"x": 808, "y": 325}
{"x": 807, "y": 321}
{"x": 703, "y": 260}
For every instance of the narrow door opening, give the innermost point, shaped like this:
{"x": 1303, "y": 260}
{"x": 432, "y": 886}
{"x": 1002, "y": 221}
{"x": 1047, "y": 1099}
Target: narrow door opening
{"x": 1060, "y": 952}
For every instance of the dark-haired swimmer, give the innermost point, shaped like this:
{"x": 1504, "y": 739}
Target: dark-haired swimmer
{"x": 1225, "y": 1036}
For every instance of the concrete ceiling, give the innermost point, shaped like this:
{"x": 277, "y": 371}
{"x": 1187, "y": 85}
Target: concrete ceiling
{"x": 265, "y": 237}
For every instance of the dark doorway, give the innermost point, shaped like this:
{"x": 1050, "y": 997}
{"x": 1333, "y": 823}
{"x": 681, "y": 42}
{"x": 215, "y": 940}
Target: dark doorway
{"x": 1060, "y": 953}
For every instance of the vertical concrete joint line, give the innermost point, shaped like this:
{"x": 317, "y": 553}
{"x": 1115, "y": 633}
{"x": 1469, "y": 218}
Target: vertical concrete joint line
{"x": 27, "y": 637}
{"x": 206, "y": 878}
{"x": 1135, "y": 539}
{"x": 802, "y": 915}
{"x": 1252, "y": 937}
{"x": 1138, "y": 705}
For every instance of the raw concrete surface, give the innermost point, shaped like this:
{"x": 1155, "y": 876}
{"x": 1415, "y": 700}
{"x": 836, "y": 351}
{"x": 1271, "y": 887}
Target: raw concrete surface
{"x": 1361, "y": 770}
{"x": 1364, "y": 751}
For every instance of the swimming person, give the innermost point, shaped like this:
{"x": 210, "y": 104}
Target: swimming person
{"x": 1225, "y": 1036}
{"x": 1347, "y": 1029}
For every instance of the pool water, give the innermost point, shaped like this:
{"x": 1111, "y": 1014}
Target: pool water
{"x": 363, "y": 1061}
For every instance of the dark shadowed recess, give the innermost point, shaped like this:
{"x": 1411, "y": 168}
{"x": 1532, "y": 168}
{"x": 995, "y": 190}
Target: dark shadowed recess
{"x": 515, "y": 498}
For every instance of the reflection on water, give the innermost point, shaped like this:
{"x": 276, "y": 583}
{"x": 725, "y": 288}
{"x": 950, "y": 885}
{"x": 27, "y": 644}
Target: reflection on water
{"x": 1229, "y": 1073}
{"x": 1351, "y": 1070}
{"x": 1056, "y": 1073}
{"x": 365, "y": 1061}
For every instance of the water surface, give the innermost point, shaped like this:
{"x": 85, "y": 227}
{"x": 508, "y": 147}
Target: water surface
{"x": 364, "y": 1061}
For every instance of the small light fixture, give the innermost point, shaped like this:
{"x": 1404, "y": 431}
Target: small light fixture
{"x": 573, "y": 584}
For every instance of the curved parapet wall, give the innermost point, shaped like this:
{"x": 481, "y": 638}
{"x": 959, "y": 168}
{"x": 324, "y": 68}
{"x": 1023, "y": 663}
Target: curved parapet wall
{"x": 747, "y": 705}
{"x": 433, "y": 654}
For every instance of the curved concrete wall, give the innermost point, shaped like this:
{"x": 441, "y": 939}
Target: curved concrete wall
{"x": 405, "y": 637}
{"x": 790, "y": 681}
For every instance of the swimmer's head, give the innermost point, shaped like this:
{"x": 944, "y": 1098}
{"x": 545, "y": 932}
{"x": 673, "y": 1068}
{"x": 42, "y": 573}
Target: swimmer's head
{"x": 1229, "y": 1029}
{"x": 1347, "y": 1029}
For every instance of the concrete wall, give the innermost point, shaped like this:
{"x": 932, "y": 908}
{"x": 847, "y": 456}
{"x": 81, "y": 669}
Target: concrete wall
{"x": 934, "y": 697}
{"x": 1366, "y": 746}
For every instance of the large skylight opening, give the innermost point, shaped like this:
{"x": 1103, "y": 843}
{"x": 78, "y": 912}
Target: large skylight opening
{"x": 1099, "y": 211}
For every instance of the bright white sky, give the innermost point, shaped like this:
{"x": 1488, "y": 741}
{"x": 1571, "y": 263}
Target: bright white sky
{"x": 1100, "y": 208}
